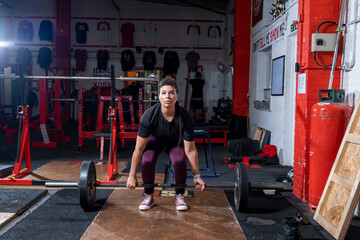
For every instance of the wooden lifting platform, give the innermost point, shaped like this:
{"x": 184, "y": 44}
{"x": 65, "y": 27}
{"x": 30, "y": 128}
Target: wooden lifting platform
{"x": 209, "y": 217}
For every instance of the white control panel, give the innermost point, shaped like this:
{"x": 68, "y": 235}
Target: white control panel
{"x": 323, "y": 42}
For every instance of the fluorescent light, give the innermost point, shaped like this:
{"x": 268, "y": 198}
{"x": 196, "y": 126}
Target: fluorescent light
{"x": 6, "y": 44}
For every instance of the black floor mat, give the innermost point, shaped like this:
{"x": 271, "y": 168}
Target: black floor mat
{"x": 6, "y": 170}
{"x": 60, "y": 217}
{"x": 18, "y": 200}
{"x": 263, "y": 217}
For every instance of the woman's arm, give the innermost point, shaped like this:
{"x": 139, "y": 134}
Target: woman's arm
{"x": 192, "y": 155}
{"x": 135, "y": 161}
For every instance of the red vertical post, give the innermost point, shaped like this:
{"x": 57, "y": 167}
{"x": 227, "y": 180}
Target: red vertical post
{"x": 121, "y": 123}
{"x": 42, "y": 101}
{"x": 24, "y": 146}
{"x": 63, "y": 48}
{"x": 310, "y": 16}
{"x": 112, "y": 164}
{"x": 80, "y": 122}
{"x": 27, "y": 140}
{"x": 241, "y": 58}
{"x": 100, "y": 114}
{"x": 140, "y": 104}
{"x": 57, "y": 89}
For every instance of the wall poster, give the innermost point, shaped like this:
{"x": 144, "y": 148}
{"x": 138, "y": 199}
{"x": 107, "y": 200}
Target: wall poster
{"x": 257, "y": 11}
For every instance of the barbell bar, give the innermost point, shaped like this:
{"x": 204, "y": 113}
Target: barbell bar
{"x": 98, "y": 100}
{"x": 140, "y": 79}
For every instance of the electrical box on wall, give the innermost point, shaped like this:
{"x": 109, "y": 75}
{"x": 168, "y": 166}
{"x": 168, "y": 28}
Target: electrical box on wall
{"x": 323, "y": 42}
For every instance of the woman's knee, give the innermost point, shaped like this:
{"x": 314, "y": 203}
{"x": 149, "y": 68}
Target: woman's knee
{"x": 178, "y": 159}
{"x": 179, "y": 163}
{"x": 148, "y": 158}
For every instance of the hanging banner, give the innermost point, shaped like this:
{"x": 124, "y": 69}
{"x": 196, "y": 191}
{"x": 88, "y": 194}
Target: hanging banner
{"x": 269, "y": 37}
{"x": 257, "y": 11}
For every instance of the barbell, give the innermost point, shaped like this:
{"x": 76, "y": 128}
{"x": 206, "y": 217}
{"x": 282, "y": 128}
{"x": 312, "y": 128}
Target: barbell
{"x": 88, "y": 183}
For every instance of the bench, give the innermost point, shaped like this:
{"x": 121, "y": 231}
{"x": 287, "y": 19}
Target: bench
{"x": 260, "y": 139}
{"x": 214, "y": 129}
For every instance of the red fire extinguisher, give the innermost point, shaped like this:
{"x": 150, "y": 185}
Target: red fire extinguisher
{"x": 328, "y": 122}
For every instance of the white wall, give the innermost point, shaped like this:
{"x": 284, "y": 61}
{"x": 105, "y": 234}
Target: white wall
{"x": 280, "y": 119}
{"x": 281, "y": 116}
{"x": 351, "y": 57}
{"x": 169, "y": 34}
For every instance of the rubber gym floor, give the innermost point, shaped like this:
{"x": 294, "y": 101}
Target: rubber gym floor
{"x": 56, "y": 214}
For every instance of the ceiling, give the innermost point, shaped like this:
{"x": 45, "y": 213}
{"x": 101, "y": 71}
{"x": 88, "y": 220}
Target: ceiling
{"x": 217, "y": 6}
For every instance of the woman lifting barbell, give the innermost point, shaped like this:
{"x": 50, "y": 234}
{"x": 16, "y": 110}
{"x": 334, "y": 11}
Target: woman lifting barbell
{"x": 165, "y": 127}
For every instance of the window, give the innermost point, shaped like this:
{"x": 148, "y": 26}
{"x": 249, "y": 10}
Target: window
{"x": 263, "y": 80}
{"x": 268, "y": 69}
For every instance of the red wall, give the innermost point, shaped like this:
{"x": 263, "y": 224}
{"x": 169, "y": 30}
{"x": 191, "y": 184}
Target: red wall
{"x": 311, "y": 15}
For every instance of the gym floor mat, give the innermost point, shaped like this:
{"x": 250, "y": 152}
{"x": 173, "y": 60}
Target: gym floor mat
{"x": 5, "y": 170}
{"x": 263, "y": 217}
{"x": 60, "y": 217}
{"x": 69, "y": 171}
{"x": 18, "y": 200}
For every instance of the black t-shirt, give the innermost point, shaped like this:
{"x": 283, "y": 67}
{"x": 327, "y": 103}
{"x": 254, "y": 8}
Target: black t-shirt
{"x": 197, "y": 87}
{"x": 127, "y": 60}
{"x": 171, "y": 62}
{"x": 81, "y": 29}
{"x": 149, "y": 60}
{"x": 102, "y": 59}
{"x": 46, "y": 31}
{"x": 44, "y": 57}
{"x": 154, "y": 123}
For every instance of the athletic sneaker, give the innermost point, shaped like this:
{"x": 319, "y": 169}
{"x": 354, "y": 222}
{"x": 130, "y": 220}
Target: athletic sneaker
{"x": 180, "y": 203}
{"x": 147, "y": 203}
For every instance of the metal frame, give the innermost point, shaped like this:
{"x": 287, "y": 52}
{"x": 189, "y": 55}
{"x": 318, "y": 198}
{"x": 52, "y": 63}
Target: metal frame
{"x": 40, "y": 125}
{"x": 206, "y": 139}
{"x": 50, "y": 138}
{"x": 23, "y": 148}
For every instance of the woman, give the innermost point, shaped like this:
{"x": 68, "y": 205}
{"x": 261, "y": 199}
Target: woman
{"x": 165, "y": 127}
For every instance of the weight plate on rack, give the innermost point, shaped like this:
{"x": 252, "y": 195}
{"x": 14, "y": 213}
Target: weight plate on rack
{"x": 241, "y": 191}
{"x": 87, "y": 185}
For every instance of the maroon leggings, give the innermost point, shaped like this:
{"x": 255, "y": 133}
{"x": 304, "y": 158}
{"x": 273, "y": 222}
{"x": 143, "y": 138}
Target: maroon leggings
{"x": 149, "y": 158}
